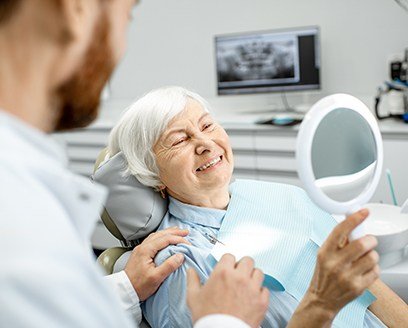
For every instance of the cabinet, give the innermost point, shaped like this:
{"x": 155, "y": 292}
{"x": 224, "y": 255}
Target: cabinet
{"x": 268, "y": 153}
{"x": 264, "y": 153}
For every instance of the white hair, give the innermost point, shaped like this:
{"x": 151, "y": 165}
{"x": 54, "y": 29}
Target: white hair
{"x": 141, "y": 126}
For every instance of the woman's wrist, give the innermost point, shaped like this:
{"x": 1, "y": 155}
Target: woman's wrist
{"x": 312, "y": 312}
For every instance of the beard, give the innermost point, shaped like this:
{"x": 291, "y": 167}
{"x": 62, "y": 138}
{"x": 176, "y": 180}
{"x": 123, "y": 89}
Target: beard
{"x": 78, "y": 99}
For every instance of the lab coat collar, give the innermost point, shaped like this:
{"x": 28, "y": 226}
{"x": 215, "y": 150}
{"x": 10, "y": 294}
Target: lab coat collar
{"x": 38, "y": 139}
{"x": 81, "y": 199}
{"x": 84, "y": 204}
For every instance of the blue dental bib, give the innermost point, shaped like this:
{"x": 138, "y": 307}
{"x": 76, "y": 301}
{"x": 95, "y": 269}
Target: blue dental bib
{"x": 282, "y": 230}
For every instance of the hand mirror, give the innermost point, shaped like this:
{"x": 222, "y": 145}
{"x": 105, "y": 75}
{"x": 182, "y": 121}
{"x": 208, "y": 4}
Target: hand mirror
{"x": 339, "y": 155}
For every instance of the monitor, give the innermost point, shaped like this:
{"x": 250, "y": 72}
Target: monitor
{"x": 268, "y": 61}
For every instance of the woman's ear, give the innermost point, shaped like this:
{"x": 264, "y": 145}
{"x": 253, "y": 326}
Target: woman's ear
{"x": 162, "y": 190}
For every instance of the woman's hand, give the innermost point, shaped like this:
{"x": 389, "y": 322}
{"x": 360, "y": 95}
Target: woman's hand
{"x": 343, "y": 271}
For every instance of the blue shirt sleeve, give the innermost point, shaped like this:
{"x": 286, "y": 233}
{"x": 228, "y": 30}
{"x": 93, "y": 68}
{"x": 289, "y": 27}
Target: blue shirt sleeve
{"x": 167, "y": 308}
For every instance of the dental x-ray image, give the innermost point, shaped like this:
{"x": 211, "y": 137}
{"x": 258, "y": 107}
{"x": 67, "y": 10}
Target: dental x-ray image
{"x": 258, "y": 59}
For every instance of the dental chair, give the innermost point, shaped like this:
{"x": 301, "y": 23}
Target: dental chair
{"x": 131, "y": 213}
{"x": 132, "y": 210}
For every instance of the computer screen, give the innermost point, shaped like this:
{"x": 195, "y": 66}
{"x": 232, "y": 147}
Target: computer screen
{"x": 268, "y": 61}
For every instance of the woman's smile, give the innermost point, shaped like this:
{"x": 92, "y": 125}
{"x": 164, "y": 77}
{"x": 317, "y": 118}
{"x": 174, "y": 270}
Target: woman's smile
{"x": 210, "y": 165}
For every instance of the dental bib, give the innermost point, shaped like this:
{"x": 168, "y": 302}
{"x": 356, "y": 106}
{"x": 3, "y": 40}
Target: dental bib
{"x": 281, "y": 229}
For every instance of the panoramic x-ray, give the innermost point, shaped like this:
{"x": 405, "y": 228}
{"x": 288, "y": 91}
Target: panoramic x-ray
{"x": 273, "y": 59}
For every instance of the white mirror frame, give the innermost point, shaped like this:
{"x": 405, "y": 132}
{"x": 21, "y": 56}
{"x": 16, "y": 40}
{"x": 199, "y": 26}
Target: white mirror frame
{"x": 304, "y": 152}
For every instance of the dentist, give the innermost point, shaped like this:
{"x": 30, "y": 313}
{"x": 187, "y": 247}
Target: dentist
{"x": 55, "y": 58}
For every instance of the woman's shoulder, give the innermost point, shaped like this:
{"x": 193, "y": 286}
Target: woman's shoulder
{"x": 171, "y": 250}
{"x": 195, "y": 254}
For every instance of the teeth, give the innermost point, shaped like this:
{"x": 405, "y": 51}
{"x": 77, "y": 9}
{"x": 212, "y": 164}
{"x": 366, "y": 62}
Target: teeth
{"x": 212, "y": 163}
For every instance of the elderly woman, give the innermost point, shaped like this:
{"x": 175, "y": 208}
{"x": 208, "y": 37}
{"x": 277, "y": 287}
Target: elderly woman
{"x": 172, "y": 144}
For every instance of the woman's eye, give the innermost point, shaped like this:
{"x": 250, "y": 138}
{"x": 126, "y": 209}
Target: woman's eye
{"x": 207, "y": 126}
{"x": 178, "y": 142}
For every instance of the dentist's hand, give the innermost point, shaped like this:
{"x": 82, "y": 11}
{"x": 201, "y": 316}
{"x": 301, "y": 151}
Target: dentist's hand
{"x": 233, "y": 288}
{"x": 343, "y": 271}
{"x": 141, "y": 270}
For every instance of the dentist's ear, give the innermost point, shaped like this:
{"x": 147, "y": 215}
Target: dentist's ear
{"x": 71, "y": 24}
{"x": 79, "y": 18}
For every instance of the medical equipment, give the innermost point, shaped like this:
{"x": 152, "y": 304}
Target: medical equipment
{"x": 397, "y": 86}
{"x": 339, "y": 155}
{"x": 399, "y": 69}
{"x": 281, "y": 121}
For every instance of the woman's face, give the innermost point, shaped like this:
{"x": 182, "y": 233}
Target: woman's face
{"x": 194, "y": 155}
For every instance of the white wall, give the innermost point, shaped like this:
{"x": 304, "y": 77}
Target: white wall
{"x": 171, "y": 42}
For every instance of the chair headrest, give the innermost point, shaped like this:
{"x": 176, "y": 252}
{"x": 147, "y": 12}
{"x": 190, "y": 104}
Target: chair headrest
{"x": 136, "y": 210}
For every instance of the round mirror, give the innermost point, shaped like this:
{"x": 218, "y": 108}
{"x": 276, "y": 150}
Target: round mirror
{"x": 339, "y": 154}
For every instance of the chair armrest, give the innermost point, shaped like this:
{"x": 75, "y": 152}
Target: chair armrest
{"x": 109, "y": 257}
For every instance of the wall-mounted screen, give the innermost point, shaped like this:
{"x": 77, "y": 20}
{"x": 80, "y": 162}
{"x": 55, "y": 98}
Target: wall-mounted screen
{"x": 268, "y": 61}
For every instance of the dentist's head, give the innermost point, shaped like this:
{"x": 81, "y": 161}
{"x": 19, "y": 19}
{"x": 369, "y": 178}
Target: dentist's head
{"x": 171, "y": 142}
{"x": 75, "y": 46}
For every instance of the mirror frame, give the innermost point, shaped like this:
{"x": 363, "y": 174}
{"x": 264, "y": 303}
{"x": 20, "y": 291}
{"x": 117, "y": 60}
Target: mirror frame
{"x": 304, "y": 150}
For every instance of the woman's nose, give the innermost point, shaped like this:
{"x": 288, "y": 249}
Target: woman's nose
{"x": 204, "y": 144}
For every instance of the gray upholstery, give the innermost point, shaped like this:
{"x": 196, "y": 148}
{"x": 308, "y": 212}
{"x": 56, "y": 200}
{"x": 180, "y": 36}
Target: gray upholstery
{"x": 136, "y": 210}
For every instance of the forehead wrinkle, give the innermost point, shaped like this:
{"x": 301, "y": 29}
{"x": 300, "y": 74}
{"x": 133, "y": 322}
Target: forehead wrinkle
{"x": 179, "y": 130}
{"x": 203, "y": 116}
{"x": 173, "y": 131}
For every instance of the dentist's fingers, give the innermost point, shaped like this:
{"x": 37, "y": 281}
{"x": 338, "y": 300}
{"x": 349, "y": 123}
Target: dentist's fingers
{"x": 141, "y": 269}
{"x": 193, "y": 286}
{"x": 227, "y": 261}
{"x": 169, "y": 231}
{"x": 265, "y": 295}
{"x": 258, "y": 277}
{"x": 157, "y": 244}
{"x": 245, "y": 266}
{"x": 168, "y": 267}
{"x": 229, "y": 290}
